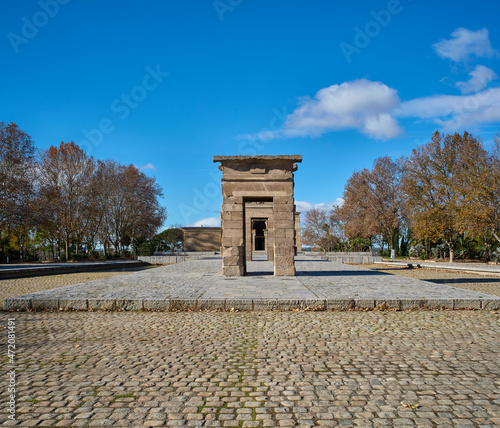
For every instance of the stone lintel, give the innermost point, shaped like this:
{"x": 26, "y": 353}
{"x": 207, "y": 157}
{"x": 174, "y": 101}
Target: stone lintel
{"x": 291, "y": 158}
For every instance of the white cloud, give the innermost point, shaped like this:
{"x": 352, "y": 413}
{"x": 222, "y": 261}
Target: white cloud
{"x": 453, "y": 112}
{"x": 464, "y": 44}
{"x": 303, "y": 206}
{"x": 206, "y": 222}
{"x": 147, "y": 166}
{"x": 479, "y": 79}
{"x": 361, "y": 104}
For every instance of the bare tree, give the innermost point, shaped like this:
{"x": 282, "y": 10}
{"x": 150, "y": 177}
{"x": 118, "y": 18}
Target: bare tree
{"x": 65, "y": 175}
{"x": 128, "y": 202}
{"x": 318, "y": 230}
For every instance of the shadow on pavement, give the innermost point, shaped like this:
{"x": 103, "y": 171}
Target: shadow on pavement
{"x": 465, "y": 280}
{"x": 342, "y": 273}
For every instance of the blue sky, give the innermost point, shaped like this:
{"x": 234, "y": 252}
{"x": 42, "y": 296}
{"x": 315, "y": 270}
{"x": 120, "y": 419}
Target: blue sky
{"x": 167, "y": 85}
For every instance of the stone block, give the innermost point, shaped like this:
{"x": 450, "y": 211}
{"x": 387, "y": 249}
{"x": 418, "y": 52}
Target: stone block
{"x": 129, "y": 305}
{"x": 232, "y": 270}
{"x": 232, "y": 224}
{"x": 238, "y": 305}
{"x": 388, "y": 304}
{"x": 226, "y": 242}
{"x": 73, "y": 304}
{"x": 284, "y": 215}
{"x": 229, "y": 198}
{"x": 231, "y": 216}
{"x": 232, "y": 207}
{"x": 233, "y": 251}
{"x": 439, "y": 304}
{"x": 230, "y": 260}
{"x": 279, "y": 233}
{"x": 285, "y": 251}
{"x": 237, "y": 242}
{"x": 102, "y": 304}
{"x": 361, "y": 304}
{"x": 40, "y": 304}
{"x": 467, "y": 304}
{"x": 283, "y": 261}
{"x": 340, "y": 304}
{"x": 211, "y": 305}
{"x": 183, "y": 304}
{"x": 290, "y": 305}
{"x": 232, "y": 242}
{"x": 408, "y": 304}
{"x": 283, "y": 200}
{"x": 315, "y": 304}
{"x": 283, "y": 269}
{"x": 491, "y": 304}
{"x": 283, "y": 224}
{"x": 232, "y": 233}
{"x": 156, "y": 305}
{"x": 282, "y": 208}
{"x": 17, "y": 304}
{"x": 265, "y": 304}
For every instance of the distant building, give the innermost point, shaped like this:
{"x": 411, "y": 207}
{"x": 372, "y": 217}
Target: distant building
{"x": 201, "y": 238}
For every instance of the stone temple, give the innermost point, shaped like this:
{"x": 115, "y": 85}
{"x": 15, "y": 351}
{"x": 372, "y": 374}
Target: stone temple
{"x": 258, "y": 212}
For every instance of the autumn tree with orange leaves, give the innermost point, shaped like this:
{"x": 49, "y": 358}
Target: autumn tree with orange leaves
{"x": 444, "y": 184}
{"x": 17, "y": 192}
{"x": 373, "y": 204}
{"x": 65, "y": 179}
{"x": 67, "y": 199}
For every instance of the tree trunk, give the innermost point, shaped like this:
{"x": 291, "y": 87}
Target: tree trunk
{"x": 451, "y": 247}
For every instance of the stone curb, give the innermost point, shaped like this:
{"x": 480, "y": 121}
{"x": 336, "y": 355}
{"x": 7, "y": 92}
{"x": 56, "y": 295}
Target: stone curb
{"x": 21, "y": 304}
{"x": 454, "y": 267}
{"x": 70, "y": 268}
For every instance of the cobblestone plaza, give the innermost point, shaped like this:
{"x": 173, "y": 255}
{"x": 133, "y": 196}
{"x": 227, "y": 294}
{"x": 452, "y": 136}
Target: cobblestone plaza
{"x": 257, "y": 369}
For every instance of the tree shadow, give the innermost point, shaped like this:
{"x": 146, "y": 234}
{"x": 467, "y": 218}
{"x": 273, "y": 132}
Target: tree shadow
{"x": 341, "y": 273}
{"x": 260, "y": 273}
{"x": 465, "y": 280}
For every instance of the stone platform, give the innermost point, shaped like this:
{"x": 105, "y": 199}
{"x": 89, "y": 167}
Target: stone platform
{"x": 199, "y": 285}
{"x": 24, "y": 270}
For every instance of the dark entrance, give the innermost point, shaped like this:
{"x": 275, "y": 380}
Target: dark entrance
{"x": 259, "y": 226}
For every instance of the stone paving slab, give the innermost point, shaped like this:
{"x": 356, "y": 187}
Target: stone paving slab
{"x": 319, "y": 284}
{"x": 256, "y": 369}
{"x": 259, "y": 287}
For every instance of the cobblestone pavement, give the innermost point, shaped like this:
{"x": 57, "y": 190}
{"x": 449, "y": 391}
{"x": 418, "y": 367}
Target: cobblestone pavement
{"x": 256, "y": 369}
{"x": 457, "y": 279}
{"x": 17, "y": 286}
